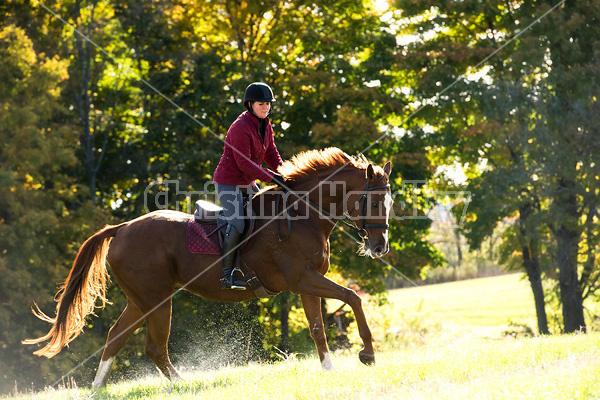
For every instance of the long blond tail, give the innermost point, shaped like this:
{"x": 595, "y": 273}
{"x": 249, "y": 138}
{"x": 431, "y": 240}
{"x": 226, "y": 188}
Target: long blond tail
{"x": 84, "y": 285}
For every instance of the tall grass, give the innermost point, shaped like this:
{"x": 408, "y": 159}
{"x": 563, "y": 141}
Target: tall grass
{"x": 558, "y": 367}
{"x": 434, "y": 348}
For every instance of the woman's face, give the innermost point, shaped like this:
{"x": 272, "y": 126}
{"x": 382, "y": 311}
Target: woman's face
{"x": 261, "y": 108}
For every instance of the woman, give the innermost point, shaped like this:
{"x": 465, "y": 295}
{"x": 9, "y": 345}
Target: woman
{"x": 249, "y": 141}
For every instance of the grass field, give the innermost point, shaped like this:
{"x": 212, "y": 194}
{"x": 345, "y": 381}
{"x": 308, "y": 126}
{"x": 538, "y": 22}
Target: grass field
{"x": 477, "y": 302}
{"x": 456, "y": 351}
{"x": 485, "y": 308}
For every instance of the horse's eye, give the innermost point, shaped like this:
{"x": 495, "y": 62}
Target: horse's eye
{"x": 375, "y": 204}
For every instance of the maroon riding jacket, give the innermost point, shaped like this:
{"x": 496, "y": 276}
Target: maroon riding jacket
{"x": 244, "y": 135}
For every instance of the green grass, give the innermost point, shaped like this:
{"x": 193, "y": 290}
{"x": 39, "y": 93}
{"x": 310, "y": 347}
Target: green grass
{"x": 560, "y": 367}
{"x": 491, "y": 301}
{"x": 486, "y": 308}
{"x": 434, "y": 360}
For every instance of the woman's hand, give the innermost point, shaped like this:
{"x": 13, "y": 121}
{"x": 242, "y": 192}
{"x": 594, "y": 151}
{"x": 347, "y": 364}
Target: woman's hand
{"x": 278, "y": 179}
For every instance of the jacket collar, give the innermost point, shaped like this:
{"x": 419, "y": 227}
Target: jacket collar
{"x": 253, "y": 118}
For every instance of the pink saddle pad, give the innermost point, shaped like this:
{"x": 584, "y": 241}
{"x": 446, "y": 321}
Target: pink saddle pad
{"x": 203, "y": 238}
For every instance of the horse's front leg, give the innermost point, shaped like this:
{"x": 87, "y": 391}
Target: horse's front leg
{"x": 312, "y": 283}
{"x": 312, "y": 309}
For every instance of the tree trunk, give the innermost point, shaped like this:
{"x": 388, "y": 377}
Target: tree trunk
{"x": 532, "y": 267}
{"x": 570, "y": 294}
{"x": 531, "y": 263}
{"x": 81, "y": 81}
{"x": 567, "y": 238}
{"x": 459, "y": 255}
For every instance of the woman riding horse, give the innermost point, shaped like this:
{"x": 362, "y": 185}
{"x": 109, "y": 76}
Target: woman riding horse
{"x": 249, "y": 141}
{"x": 150, "y": 262}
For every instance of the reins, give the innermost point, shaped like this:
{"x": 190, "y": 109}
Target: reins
{"x": 362, "y": 201}
{"x": 289, "y": 220}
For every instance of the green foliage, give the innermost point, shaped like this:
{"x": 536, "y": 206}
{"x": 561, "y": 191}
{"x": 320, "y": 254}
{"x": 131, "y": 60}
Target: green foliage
{"x": 41, "y": 216}
{"x": 524, "y": 125}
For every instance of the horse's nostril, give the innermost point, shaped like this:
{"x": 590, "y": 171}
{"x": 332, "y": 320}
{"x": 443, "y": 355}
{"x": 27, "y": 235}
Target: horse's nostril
{"x": 379, "y": 249}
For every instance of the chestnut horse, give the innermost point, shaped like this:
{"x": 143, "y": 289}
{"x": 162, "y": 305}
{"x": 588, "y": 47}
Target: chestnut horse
{"x": 149, "y": 260}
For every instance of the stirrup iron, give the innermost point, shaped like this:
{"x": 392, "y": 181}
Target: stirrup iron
{"x": 231, "y": 282}
{"x": 236, "y": 284}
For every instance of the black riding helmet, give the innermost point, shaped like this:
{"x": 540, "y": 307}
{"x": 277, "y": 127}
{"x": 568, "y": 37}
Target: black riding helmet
{"x": 258, "y": 91}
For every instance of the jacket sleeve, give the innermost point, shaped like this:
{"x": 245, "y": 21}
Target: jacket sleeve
{"x": 241, "y": 148}
{"x": 272, "y": 157}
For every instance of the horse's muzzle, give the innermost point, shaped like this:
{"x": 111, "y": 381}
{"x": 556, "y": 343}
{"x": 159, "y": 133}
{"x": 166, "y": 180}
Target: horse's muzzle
{"x": 377, "y": 250}
{"x": 381, "y": 250}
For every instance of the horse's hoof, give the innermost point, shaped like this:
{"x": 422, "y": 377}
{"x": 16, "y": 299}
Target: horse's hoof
{"x": 367, "y": 359}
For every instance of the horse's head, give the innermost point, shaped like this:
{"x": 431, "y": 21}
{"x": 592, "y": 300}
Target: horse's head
{"x": 367, "y": 201}
{"x": 374, "y": 208}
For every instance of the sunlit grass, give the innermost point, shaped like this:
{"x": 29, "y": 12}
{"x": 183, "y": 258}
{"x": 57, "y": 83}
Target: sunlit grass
{"x": 436, "y": 351}
{"x": 477, "y": 302}
{"x": 485, "y": 308}
{"x": 562, "y": 367}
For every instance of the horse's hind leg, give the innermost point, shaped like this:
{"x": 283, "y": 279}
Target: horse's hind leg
{"x": 131, "y": 318}
{"x": 157, "y": 338}
{"x": 312, "y": 309}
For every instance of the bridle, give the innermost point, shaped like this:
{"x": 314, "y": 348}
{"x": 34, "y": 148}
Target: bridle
{"x": 362, "y": 226}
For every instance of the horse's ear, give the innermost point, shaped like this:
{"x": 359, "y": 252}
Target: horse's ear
{"x": 387, "y": 168}
{"x": 370, "y": 172}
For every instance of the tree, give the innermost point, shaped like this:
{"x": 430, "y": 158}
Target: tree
{"x": 571, "y": 109}
{"x": 40, "y": 215}
{"x": 508, "y": 121}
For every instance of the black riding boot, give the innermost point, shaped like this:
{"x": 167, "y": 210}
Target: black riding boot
{"x": 229, "y": 281}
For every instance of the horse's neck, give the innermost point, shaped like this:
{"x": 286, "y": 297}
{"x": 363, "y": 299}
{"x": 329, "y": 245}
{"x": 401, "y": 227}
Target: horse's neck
{"x": 330, "y": 196}
{"x": 326, "y": 206}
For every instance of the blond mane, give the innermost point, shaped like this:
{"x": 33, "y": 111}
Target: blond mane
{"x": 308, "y": 162}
